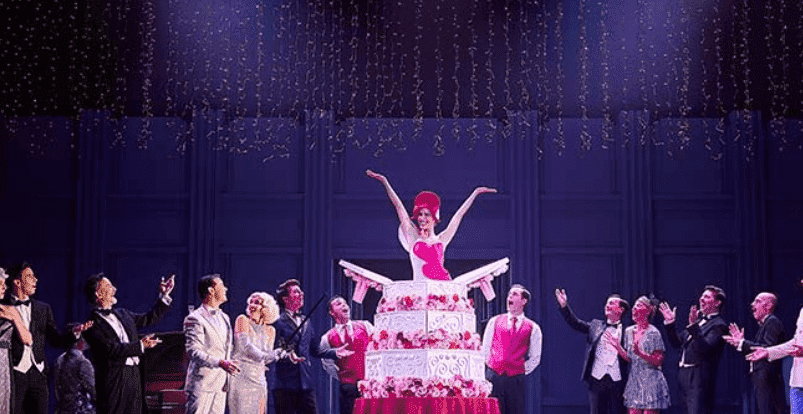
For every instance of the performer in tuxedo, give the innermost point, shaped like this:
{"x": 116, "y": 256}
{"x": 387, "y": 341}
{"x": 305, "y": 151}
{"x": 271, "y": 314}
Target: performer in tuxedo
{"x": 28, "y": 361}
{"x": 604, "y": 370}
{"x": 208, "y": 342}
{"x": 355, "y": 336}
{"x": 511, "y": 346}
{"x": 293, "y": 391}
{"x": 793, "y": 348}
{"x": 767, "y": 377}
{"x": 116, "y": 346}
{"x": 701, "y": 343}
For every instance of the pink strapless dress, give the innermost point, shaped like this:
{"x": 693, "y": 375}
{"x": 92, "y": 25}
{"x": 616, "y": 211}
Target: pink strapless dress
{"x": 432, "y": 255}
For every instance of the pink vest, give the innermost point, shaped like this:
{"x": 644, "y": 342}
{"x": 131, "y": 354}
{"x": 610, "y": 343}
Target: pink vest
{"x": 351, "y": 368}
{"x": 509, "y": 349}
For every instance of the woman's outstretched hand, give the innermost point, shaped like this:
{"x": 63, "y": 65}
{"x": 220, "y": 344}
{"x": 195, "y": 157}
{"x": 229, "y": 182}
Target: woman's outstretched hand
{"x": 480, "y": 190}
{"x": 377, "y": 176}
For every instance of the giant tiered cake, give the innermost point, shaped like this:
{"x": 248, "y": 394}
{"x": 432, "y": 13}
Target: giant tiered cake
{"x": 425, "y": 343}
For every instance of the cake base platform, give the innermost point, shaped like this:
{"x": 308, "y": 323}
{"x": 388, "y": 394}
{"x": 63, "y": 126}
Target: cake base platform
{"x": 426, "y": 405}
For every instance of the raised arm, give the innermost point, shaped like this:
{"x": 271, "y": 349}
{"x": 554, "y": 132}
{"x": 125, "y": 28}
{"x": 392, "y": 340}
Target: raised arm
{"x": 566, "y": 311}
{"x": 454, "y": 223}
{"x": 404, "y": 217}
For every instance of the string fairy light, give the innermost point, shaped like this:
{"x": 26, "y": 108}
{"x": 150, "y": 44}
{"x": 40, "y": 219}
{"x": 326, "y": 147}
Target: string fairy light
{"x": 584, "y": 92}
{"x": 605, "y": 65}
{"x": 560, "y": 139}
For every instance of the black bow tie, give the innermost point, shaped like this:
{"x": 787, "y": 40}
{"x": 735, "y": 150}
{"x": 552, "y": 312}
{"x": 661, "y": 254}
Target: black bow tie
{"x": 17, "y": 302}
{"x": 104, "y": 312}
{"x": 614, "y": 325}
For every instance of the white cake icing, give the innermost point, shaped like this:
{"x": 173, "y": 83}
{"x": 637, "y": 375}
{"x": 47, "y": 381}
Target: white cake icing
{"x": 408, "y": 321}
{"x": 428, "y": 299}
{"x": 425, "y": 363}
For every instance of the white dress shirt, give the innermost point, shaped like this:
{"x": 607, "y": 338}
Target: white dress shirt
{"x": 27, "y": 360}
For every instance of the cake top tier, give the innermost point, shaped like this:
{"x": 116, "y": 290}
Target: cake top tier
{"x": 423, "y": 288}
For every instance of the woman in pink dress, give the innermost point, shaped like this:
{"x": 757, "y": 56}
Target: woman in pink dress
{"x": 417, "y": 232}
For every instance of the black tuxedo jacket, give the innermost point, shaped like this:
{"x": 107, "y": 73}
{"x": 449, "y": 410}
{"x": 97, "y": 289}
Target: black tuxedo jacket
{"x": 109, "y": 353}
{"x": 593, "y": 330}
{"x": 297, "y": 376}
{"x": 43, "y": 330}
{"x": 769, "y": 334}
{"x": 701, "y": 345}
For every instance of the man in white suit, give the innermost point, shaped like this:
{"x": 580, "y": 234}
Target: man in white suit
{"x": 794, "y": 348}
{"x": 208, "y": 339}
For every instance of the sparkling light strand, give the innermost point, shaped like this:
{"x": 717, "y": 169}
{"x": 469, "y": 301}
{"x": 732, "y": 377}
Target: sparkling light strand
{"x": 642, "y": 72}
{"x": 684, "y": 108}
{"x": 543, "y": 84}
{"x": 525, "y": 76}
{"x": 627, "y": 132}
{"x": 455, "y": 79}
{"x": 584, "y": 92}
{"x": 744, "y": 54}
{"x": 243, "y": 83}
{"x": 785, "y": 89}
{"x": 396, "y": 123}
{"x": 489, "y": 71}
{"x": 260, "y": 141}
{"x": 719, "y": 63}
{"x": 339, "y": 87}
{"x": 352, "y": 77}
{"x": 560, "y": 139}
{"x": 706, "y": 95}
{"x": 655, "y": 70}
{"x": 605, "y": 64}
{"x": 148, "y": 35}
{"x": 119, "y": 87}
{"x": 369, "y": 45}
{"x": 438, "y": 146}
{"x": 418, "y": 81}
{"x": 474, "y": 101}
{"x": 380, "y": 28}
{"x": 773, "y": 67}
{"x": 800, "y": 60}
{"x": 506, "y": 113}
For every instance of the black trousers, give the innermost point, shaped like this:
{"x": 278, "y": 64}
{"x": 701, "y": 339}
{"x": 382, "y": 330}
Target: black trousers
{"x": 696, "y": 390}
{"x": 121, "y": 394}
{"x": 30, "y": 392}
{"x": 348, "y": 394}
{"x": 605, "y": 396}
{"x": 509, "y": 391}
{"x": 289, "y": 401}
{"x": 768, "y": 391}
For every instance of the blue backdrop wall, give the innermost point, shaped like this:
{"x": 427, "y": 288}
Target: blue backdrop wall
{"x": 630, "y": 219}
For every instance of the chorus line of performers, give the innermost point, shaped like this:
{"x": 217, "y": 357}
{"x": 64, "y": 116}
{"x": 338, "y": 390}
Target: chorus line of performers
{"x": 227, "y": 365}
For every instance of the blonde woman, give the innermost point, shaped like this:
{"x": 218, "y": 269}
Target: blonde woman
{"x": 253, "y": 351}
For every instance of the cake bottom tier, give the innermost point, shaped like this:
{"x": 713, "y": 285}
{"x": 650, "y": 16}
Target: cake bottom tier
{"x": 408, "y": 387}
{"x": 453, "y": 405}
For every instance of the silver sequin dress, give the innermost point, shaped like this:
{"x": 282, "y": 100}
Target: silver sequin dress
{"x": 646, "y": 387}
{"x": 248, "y": 387}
